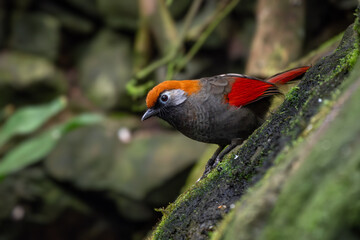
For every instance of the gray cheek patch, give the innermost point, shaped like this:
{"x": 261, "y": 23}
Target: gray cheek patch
{"x": 176, "y": 97}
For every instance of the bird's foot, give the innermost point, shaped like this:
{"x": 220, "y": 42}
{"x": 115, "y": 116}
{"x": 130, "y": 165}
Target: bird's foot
{"x": 217, "y": 161}
{"x": 211, "y": 164}
{"x": 219, "y": 155}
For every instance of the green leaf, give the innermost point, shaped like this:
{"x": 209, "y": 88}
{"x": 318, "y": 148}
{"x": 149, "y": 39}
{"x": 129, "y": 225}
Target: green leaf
{"x": 29, "y": 119}
{"x": 28, "y": 152}
{"x": 35, "y": 149}
{"x": 82, "y": 120}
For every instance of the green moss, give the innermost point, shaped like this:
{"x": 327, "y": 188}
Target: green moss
{"x": 348, "y": 61}
{"x": 281, "y": 131}
{"x": 324, "y": 189}
{"x": 293, "y": 94}
{"x": 345, "y": 64}
{"x": 321, "y": 201}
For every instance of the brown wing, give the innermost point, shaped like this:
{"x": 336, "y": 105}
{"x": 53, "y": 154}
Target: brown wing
{"x": 219, "y": 85}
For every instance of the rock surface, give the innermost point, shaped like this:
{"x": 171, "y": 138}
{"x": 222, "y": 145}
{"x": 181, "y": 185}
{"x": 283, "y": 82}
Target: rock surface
{"x": 198, "y": 212}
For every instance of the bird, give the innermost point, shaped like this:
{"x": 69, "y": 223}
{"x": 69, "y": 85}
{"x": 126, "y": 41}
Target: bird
{"x": 223, "y": 109}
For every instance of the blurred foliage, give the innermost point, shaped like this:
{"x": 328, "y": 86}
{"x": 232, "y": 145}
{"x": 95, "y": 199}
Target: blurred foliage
{"x": 65, "y": 65}
{"x": 174, "y": 58}
{"x": 28, "y": 120}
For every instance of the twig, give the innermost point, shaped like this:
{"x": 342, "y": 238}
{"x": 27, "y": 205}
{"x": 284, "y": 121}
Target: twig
{"x": 172, "y": 53}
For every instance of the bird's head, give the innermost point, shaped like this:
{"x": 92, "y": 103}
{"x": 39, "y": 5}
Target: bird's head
{"x": 167, "y": 95}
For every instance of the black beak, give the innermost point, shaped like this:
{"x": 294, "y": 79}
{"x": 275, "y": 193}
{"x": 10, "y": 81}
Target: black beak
{"x": 149, "y": 113}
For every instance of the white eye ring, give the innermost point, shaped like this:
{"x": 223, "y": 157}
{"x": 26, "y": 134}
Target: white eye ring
{"x": 172, "y": 97}
{"x": 164, "y": 98}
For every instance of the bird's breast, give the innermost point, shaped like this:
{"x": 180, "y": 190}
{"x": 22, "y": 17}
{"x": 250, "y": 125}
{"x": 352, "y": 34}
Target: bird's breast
{"x": 211, "y": 120}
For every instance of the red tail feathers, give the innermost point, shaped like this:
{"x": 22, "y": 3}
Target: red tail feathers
{"x": 247, "y": 90}
{"x": 290, "y": 75}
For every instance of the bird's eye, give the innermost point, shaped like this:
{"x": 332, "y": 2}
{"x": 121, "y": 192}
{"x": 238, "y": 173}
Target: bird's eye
{"x": 164, "y": 98}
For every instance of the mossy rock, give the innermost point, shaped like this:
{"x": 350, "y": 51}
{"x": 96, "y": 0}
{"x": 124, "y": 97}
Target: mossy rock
{"x": 261, "y": 213}
{"x": 312, "y": 191}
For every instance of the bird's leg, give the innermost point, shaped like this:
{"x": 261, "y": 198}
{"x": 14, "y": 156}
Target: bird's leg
{"x": 234, "y": 142}
{"x": 210, "y": 163}
{"x": 219, "y": 155}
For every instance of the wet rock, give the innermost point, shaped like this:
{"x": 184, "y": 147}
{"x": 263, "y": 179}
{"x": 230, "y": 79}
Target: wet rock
{"x": 35, "y": 33}
{"x": 105, "y": 70}
{"x": 94, "y": 159}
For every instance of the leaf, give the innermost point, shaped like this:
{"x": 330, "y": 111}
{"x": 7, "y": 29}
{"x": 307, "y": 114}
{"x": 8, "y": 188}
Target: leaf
{"x": 34, "y": 149}
{"x": 82, "y": 120}
{"x": 29, "y": 119}
{"x": 28, "y": 153}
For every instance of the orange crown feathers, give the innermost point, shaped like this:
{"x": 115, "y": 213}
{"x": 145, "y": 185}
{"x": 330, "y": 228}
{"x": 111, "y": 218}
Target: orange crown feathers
{"x": 189, "y": 86}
